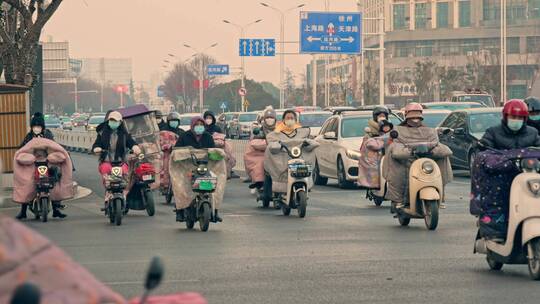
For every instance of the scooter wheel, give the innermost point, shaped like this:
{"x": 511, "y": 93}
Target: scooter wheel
{"x": 204, "y": 219}
{"x": 494, "y": 265}
{"x": 301, "y": 198}
{"x": 533, "y": 249}
{"x": 404, "y": 221}
{"x": 44, "y": 208}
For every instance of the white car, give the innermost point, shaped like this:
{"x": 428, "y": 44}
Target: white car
{"x": 340, "y": 140}
{"x": 314, "y": 120}
{"x": 185, "y": 120}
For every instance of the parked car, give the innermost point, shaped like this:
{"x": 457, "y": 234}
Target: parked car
{"x": 94, "y": 121}
{"x": 301, "y": 109}
{"x": 340, "y": 140}
{"x": 452, "y": 106}
{"x": 432, "y": 118}
{"x": 332, "y": 109}
{"x": 468, "y": 127}
{"x": 314, "y": 120}
{"x": 223, "y": 121}
{"x": 52, "y": 122}
{"x": 185, "y": 120}
{"x": 240, "y": 126}
{"x": 66, "y": 123}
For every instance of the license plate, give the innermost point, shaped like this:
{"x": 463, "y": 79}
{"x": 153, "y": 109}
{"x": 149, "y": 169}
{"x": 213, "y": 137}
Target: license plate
{"x": 147, "y": 177}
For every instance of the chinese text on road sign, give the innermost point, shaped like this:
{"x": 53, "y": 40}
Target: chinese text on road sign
{"x": 330, "y": 33}
{"x": 218, "y": 69}
{"x": 257, "y": 47}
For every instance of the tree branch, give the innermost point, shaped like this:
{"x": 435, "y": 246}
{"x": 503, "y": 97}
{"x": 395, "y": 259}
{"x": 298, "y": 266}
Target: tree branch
{"x": 44, "y": 15}
{"x": 21, "y": 8}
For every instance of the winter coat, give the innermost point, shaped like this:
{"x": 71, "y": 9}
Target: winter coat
{"x": 372, "y": 130}
{"x": 398, "y": 154}
{"x": 162, "y": 125}
{"x": 178, "y": 131}
{"x": 46, "y": 133}
{"x": 124, "y": 142}
{"x": 221, "y": 143}
{"x": 167, "y": 140}
{"x": 189, "y": 139}
{"x": 500, "y": 137}
{"x": 371, "y": 153}
{"x": 24, "y": 185}
{"x": 254, "y": 159}
{"x": 213, "y": 128}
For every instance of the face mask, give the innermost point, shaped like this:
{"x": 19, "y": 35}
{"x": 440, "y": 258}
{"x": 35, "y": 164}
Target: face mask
{"x": 270, "y": 121}
{"x": 198, "y": 129}
{"x": 534, "y": 117}
{"x": 114, "y": 124}
{"x": 379, "y": 119}
{"x": 514, "y": 124}
{"x": 290, "y": 123}
{"x": 174, "y": 124}
{"x": 209, "y": 121}
{"x": 415, "y": 122}
{"x": 37, "y": 130}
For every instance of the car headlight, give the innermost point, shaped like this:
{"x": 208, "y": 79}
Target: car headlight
{"x": 427, "y": 167}
{"x": 353, "y": 154}
{"x": 534, "y": 186}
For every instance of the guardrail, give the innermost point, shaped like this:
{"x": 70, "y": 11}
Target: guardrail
{"x": 82, "y": 141}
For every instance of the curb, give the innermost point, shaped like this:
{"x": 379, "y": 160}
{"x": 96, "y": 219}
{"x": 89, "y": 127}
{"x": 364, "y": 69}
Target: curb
{"x": 82, "y": 192}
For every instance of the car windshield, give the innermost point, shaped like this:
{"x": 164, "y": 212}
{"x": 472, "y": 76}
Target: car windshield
{"x": 52, "y": 120}
{"x": 313, "y": 120}
{"x": 229, "y": 117}
{"x": 432, "y": 120}
{"x": 355, "y": 126}
{"x": 247, "y": 117}
{"x": 96, "y": 120}
{"x": 456, "y": 106}
{"x": 484, "y": 99}
{"x": 65, "y": 119}
{"x": 480, "y": 122}
{"x": 186, "y": 120}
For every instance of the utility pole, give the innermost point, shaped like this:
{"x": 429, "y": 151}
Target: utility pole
{"x": 503, "y": 52}
{"x": 379, "y": 33}
{"x": 314, "y": 79}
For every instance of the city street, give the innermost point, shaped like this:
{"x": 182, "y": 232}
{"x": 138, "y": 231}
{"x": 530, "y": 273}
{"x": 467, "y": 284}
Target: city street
{"x": 344, "y": 251}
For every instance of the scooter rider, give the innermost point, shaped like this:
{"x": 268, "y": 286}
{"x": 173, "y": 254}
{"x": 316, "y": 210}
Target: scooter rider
{"x": 198, "y": 138}
{"x": 533, "y": 104}
{"x": 380, "y": 117}
{"x": 38, "y": 129}
{"x": 268, "y": 123}
{"x": 173, "y": 124}
{"x": 289, "y": 122}
{"x": 490, "y": 203}
{"x": 412, "y": 131}
{"x": 219, "y": 139}
{"x": 159, "y": 118}
{"x": 210, "y": 121}
{"x": 254, "y": 156}
{"x": 115, "y": 140}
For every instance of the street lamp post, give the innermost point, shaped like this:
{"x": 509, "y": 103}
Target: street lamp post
{"x": 243, "y": 71}
{"x": 201, "y": 72}
{"x": 503, "y": 51}
{"x": 282, "y": 49}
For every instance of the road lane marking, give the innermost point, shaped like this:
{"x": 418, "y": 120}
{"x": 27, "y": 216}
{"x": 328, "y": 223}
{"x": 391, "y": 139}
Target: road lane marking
{"x": 117, "y": 283}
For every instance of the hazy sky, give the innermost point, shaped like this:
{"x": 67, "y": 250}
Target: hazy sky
{"x": 147, "y": 30}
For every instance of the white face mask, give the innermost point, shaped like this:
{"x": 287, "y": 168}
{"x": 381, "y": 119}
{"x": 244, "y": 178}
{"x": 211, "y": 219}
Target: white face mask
{"x": 37, "y": 129}
{"x": 270, "y": 121}
{"x": 209, "y": 121}
{"x": 290, "y": 123}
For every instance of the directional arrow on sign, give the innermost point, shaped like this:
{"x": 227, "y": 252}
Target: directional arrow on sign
{"x": 311, "y": 39}
{"x": 245, "y": 46}
{"x": 257, "y": 42}
{"x": 349, "y": 40}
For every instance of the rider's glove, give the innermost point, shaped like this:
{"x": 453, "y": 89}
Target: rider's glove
{"x": 97, "y": 150}
{"x": 136, "y": 150}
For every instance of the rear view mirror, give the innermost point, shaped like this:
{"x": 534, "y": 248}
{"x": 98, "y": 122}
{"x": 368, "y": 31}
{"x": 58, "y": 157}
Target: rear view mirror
{"x": 394, "y": 134}
{"x": 459, "y": 131}
{"x": 154, "y": 274}
{"x": 330, "y": 135}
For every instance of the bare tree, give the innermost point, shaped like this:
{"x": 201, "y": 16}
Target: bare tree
{"x": 371, "y": 83}
{"x": 483, "y": 71}
{"x": 424, "y": 76}
{"x": 179, "y": 86}
{"x": 20, "y": 29}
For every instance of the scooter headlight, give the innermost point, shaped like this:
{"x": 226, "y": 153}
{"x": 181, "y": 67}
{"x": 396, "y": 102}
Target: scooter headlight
{"x": 201, "y": 170}
{"x": 534, "y": 186}
{"x": 296, "y": 152}
{"x": 42, "y": 170}
{"x": 427, "y": 167}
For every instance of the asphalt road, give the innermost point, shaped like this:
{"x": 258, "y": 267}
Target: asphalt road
{"x": 344, "y": 251}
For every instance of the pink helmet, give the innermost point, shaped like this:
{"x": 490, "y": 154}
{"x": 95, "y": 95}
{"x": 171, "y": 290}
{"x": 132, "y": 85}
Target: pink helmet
{"x": 414, "y": 110}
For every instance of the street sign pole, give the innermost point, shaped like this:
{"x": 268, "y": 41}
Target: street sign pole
{"x": 243, "y": 73}
{"x": 282, "y": 63}
{"x": 201, "y": 84}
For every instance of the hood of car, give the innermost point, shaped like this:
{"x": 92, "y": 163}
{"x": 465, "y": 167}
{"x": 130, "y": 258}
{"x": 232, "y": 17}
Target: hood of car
{"x": 353, "y": 143}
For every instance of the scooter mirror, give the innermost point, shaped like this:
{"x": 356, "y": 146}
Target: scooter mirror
{"x": 154, "y": 274}
{"x": 394, "y": 134}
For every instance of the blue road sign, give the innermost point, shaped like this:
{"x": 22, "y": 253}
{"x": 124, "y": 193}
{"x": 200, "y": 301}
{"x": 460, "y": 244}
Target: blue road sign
{"x": 330, "y": 33}
{"x": 257, "y": 47}
{"x": 218, "y": 69}
{"x": 223, "y": 105}
{"x": 161, "y": 91}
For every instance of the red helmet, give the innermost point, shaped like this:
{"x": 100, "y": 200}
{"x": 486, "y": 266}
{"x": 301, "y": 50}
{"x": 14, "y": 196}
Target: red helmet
{"x": 515, "y": 107}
